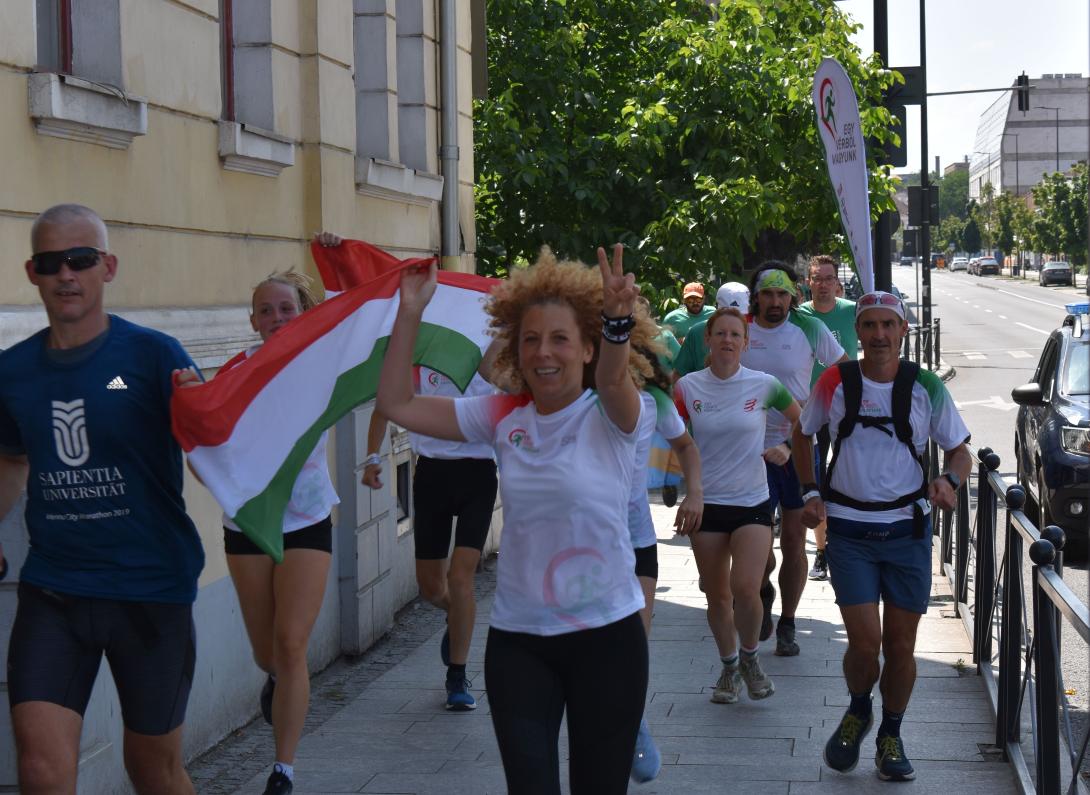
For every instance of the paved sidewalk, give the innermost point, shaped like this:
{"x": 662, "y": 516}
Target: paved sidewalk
{"x": 395, "y": 736}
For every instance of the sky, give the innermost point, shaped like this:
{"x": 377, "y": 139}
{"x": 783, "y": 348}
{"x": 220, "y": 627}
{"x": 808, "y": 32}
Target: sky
{"x": 975, "y": 44}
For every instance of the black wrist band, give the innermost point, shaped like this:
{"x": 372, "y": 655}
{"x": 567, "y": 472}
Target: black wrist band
{"x": 616, "y": 339}
{"x": 618, "y": 325}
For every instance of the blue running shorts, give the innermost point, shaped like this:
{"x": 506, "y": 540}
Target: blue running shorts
{"x": 898, "y": 570}
{"x": 783, "y": 486}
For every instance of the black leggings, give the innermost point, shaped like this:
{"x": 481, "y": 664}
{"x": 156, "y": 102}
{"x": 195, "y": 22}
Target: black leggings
{"x": 598, "y": 675}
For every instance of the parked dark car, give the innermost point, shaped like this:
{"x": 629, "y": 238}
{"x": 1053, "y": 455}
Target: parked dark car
{"x": 1052, "y": 430}
{"x": 854, "y": 289}
{"x": 1055, "y": 273}
{"x": 985, "y": 266}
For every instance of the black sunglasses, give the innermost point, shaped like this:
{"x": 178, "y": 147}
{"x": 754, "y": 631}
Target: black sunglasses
{"x": 80, "y": 258}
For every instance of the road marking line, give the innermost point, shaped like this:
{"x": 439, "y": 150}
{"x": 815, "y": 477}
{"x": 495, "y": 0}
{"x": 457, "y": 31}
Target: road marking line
{"x": 988, "y": 311}
{"x": 1034, "y": 300}
{"x": 976, "y": 306}
{"x": 974, "y": 355}
{"x": 1002, "y": 317}
{"x": 1032, "y": 328}
{"x": 1020, "y": 354}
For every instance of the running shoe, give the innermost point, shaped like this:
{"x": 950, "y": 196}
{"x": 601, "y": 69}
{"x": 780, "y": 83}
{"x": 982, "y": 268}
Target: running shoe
{"x": 842, "y": 749}
{"x": 444, "y": 647}
{"x": 647, "y": 761}
{"x": 459, "y": 699}
{"x": 820, "y": 571}
{"x": 669, "y": 496}
{"x": 278, "y": 784}
{"x": 757, "y": 682}
{"x": 890, "y": 758}
{"x": 267, "y": 699}
{"x": 768, "y": 596}
{"x": 785, "y": 641}
{"x": 729, "y": 686}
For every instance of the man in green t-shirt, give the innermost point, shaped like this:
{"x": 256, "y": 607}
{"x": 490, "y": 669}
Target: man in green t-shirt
{"x": 690, "y": 313}
{"x": 838, "y": 315}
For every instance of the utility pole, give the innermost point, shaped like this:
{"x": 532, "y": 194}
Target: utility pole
{"x": 925, "y": 189}
{"x": 883, "y": 229}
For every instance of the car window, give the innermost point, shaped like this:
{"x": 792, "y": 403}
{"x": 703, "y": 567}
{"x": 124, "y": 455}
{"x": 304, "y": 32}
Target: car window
{"x": 1076, "y": 380}
{"x": 1046, "y": 370}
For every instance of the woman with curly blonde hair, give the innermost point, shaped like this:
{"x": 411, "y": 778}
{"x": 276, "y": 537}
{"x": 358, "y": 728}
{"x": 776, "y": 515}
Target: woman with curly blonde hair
{"x": 565, "y": 627}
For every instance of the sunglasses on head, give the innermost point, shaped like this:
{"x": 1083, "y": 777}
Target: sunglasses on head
{"x": 80, "y": 258}
{"x": 879, "y": 299}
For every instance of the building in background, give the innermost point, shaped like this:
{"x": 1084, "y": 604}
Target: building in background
{"x": 215, "y": 137}
{"x": 1015, "y": 149}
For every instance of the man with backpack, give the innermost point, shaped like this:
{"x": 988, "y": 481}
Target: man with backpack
{"x": 881, "y": 412}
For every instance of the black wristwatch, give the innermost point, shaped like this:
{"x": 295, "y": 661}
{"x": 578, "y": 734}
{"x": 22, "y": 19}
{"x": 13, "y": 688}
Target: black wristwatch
{"x": 953, "y": 480}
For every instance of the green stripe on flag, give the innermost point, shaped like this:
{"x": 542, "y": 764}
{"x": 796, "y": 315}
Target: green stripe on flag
{"x": 439, "y": 348}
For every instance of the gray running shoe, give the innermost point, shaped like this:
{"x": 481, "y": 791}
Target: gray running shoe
{"x": 757, "y": 682}
{"x": 820, "y": 571}
{"x": 729, "y": 686}
{"x": 785, "y": 641}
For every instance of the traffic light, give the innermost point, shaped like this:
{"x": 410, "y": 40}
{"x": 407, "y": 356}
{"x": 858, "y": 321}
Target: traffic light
{"x": 1023, "y": 92}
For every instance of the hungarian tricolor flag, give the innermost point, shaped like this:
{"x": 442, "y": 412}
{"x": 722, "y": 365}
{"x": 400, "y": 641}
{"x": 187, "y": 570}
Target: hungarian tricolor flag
{"x": 248, "y": 431}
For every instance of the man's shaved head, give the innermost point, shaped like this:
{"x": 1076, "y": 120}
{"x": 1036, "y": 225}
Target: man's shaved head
{"x": 64, "y": 214}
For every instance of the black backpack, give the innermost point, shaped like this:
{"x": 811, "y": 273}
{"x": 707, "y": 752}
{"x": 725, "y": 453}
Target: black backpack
{"x": 852, "y": 383}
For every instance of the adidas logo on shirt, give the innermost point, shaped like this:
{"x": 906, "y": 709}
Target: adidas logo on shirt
{"x": 117, "y": 383}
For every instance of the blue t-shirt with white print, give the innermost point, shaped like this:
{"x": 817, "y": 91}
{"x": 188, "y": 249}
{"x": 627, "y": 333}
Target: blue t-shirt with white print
{"x": 104, "y": 510}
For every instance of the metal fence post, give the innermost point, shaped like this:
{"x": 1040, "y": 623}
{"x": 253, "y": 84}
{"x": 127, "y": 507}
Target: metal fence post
{"x": 983, "y": 583}
{"x": 1047, "y": 752}
{"x": 1008, "y": 711}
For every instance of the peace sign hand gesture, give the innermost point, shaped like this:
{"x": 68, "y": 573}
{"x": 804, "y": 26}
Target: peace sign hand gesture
{"x": 619, "y": 289}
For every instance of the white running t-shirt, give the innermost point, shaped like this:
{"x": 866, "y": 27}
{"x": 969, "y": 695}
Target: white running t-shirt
{"x": 660, "y": 415}
{"x": 875, "y": 466}
{"x": 429, "y": 382}
{"x": 567, "y": 562}
{"x": 727, "y": 417}
{"x": 788, "y": 352}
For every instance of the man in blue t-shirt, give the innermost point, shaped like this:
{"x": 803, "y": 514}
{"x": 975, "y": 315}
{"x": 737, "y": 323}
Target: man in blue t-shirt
{"x": 114, "y": 559}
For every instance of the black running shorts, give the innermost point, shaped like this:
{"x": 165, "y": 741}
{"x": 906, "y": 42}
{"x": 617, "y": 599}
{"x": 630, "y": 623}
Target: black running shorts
{"x": 317, "y": 536}
{"x": 447, "y": 488}
{"x": 58, "y": 640}
{"x": 728, "y": 518}
{"x": 647, "y": 561}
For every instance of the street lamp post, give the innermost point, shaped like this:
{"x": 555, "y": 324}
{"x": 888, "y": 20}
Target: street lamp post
{"x": 1057, "y": 112}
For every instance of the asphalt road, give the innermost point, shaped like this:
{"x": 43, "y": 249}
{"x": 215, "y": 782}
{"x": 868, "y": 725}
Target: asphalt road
{"x": 993, "y": 330}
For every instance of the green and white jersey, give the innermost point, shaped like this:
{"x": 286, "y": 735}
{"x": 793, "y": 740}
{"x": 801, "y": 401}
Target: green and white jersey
{"x": 789, "y": 352}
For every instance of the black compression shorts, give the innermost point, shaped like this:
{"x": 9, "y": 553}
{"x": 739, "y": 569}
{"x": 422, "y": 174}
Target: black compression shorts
{"x": 58, "y": 640}
{"x": 447, "y": 488}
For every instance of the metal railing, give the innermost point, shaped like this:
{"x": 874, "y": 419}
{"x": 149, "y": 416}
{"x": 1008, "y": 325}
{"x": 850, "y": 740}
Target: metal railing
{"x": 1016, "y": 644}
{"x": 923, "y": 344}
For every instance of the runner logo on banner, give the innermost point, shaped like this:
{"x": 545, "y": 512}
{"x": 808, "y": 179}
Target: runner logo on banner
{"x": 840, "y": 132}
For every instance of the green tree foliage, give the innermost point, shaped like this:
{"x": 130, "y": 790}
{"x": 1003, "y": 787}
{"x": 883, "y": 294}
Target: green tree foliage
{"x": 954, "y": 194}
{"x": 1059, "y": 222}
{"x": 948, "y": 234}
{"x": 685, "y": 131}
{"x": 1004, "y": 222}
{"x": 970, "y": 235}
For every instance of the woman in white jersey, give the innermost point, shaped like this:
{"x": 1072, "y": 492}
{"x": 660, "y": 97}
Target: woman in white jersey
{"x": 659, "y": 414}
{"x": 725, "y": 405}
{"x": 280, "y": 602}
{"x": 565, "y": 630}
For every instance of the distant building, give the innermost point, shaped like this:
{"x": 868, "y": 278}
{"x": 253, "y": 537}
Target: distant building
{"x": 962, "y": 165}
{"x": 1015, "y": 149}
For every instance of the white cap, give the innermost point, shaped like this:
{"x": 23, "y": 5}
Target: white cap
{"x": 733, "y": 294}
